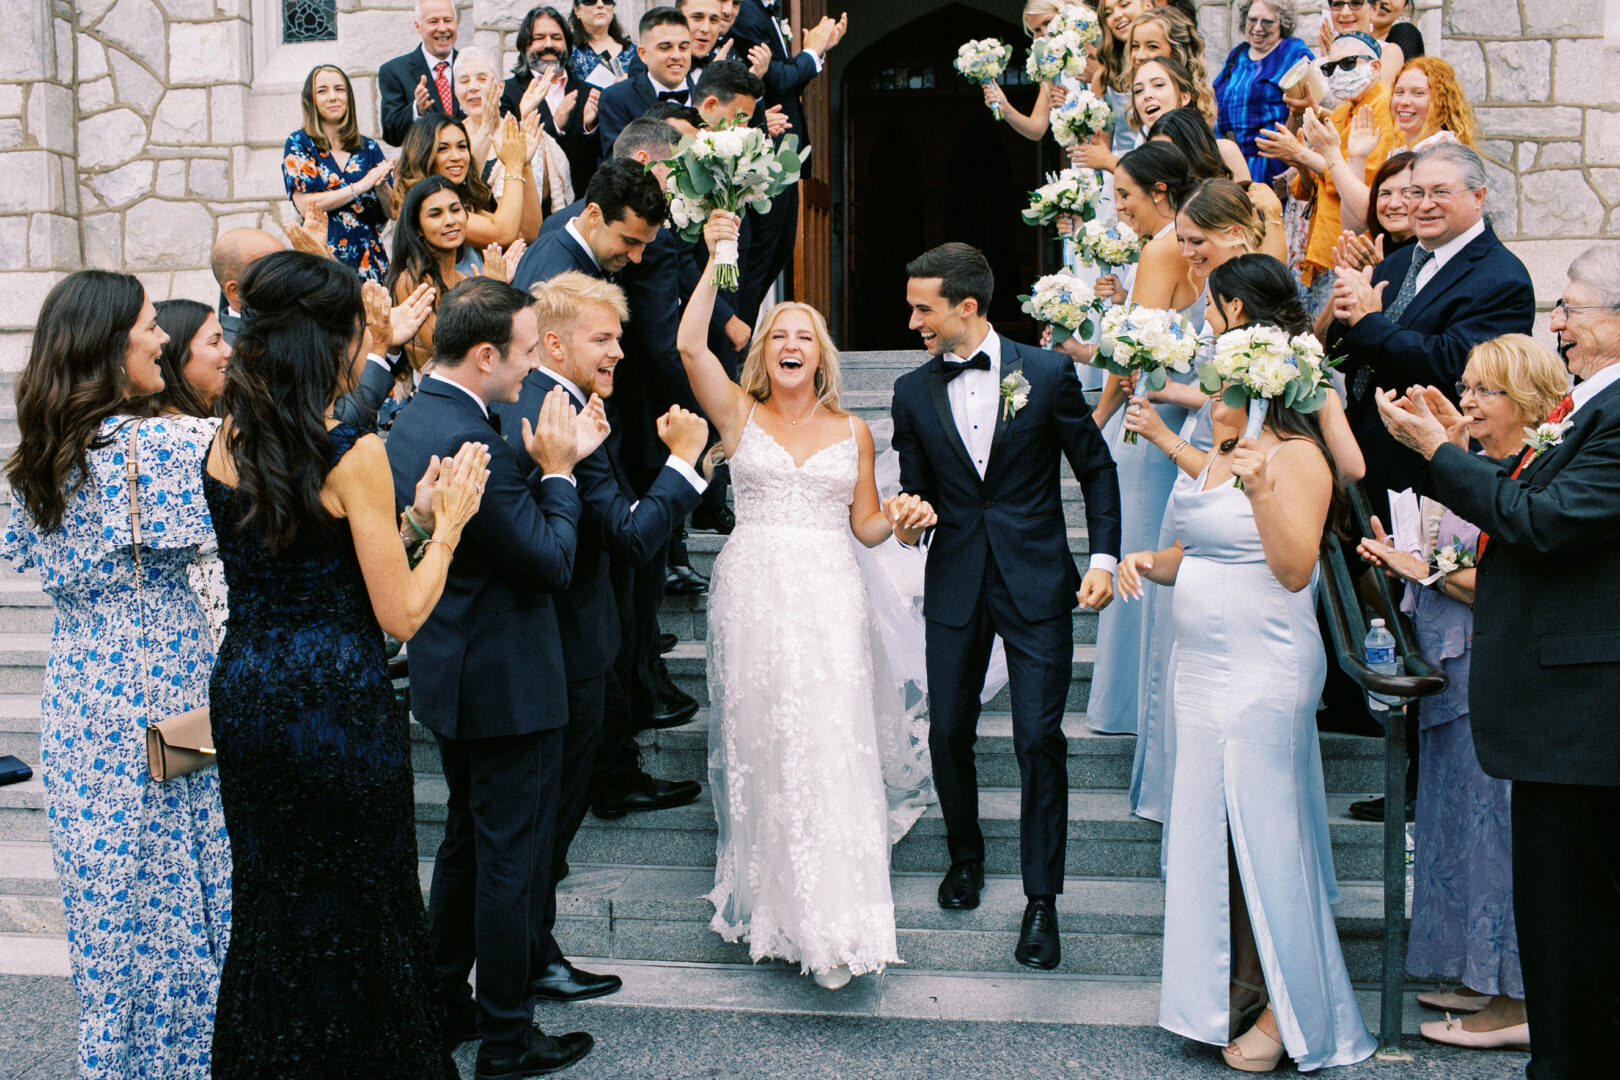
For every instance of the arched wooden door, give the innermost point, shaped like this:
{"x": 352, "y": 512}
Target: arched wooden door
{"x": 812, "y": 253}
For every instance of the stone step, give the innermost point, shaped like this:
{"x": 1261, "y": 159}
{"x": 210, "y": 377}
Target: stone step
{"x": 19, "y": 726}
{"x": 22, "y": 810}
{"x": 1104, "y": 838}
{"x": 24, "y": 607}
{"x": 22, "y": 662}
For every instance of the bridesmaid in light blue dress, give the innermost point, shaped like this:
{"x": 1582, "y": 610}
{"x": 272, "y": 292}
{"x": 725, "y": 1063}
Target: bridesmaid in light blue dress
{"x": 1250, "y": 884}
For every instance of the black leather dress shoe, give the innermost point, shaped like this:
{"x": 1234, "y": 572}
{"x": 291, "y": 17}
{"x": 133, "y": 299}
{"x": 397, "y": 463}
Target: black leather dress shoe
{"x": 1038, "y": 945}
{"x": 563, "y": 981}
{"x": 666, "y": 642}
{"x": 716, "y": 521}
{"x": 960, "y": 889}
{"x": 645, "y": 793}
{"x": 1373, "y": 809}
{"x": 685, "y": 581}
{"x": 674, "y": 706}
{"x": 546, "y": 1054}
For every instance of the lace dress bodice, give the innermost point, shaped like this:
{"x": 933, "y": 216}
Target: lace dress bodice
{"x": 772, "y": 491}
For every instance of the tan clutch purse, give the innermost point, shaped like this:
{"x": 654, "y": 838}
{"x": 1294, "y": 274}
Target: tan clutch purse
{"x": 175, "y": 745}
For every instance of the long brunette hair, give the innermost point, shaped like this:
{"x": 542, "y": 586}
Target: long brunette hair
{"x": 74, "y": 379}
{"x": 301, "y": 326}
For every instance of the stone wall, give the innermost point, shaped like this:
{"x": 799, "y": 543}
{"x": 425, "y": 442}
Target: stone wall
{"x": 135, "y": 131}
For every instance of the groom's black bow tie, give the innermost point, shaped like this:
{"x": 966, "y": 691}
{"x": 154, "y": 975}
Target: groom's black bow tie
{"x": 677, "y": 96}
{"x": 495, "y": 421}
{"x": 953, "y": 368}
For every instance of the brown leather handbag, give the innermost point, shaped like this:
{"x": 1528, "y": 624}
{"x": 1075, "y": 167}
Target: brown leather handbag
{"x": 180, "y": 744}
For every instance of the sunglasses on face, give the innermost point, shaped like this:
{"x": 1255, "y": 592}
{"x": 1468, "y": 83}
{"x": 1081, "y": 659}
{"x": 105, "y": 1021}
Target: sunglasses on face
{"x": 1347, "y": 63}
{"x": 593, "y": 3}
{"x": 1340, "y": 5}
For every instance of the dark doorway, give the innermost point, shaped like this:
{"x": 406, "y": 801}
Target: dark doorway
{"x": 927, "y": 163}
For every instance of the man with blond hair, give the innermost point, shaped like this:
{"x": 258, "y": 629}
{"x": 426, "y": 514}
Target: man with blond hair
{"x": 581, "y": 319}
{"x": 419, "y": 82}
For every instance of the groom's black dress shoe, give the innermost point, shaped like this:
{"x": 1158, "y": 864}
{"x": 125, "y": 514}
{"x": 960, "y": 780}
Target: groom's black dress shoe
{"x": 546, "y": 1054}
{"x": 684, "y": 581}
{"x": 960, "y": 889}
{"x": 1038, "y": 945}
{"x": 563, "y": 981}
{"x": 645, "y": 793}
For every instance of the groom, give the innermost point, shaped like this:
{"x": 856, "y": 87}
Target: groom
{"x": 979, "y": 430}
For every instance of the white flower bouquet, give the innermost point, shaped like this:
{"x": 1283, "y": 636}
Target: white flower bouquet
{"x": 1083, "y": 115}
{"x": 1146, "y": 342}
{"x": 1106, "y": 244}
{"x": 1065, "y": 303}
{"x": 1063, "y": 50}
{"x": 1072, "y": 191}
{"x": 984, "y": 61}
{"x": 1255, "y": 364}
{"x": 734, "y": 169}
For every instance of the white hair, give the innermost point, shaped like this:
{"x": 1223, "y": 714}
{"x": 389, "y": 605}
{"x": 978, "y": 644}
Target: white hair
{"x": 420, "y": 4}
{"x": 1468, "y": 163}
{"x": 472, "y": 58}
{"x": 1598, "y": 268}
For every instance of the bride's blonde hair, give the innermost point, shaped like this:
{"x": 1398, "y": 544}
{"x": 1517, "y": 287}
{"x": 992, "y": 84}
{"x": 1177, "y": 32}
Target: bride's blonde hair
{"x": 756, "y": 380}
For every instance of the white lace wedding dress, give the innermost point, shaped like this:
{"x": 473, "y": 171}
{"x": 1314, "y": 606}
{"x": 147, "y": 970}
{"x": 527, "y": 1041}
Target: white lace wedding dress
{"x": 815, "y": 764}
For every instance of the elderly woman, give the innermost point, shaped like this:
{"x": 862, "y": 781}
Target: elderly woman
{"x": 1462, "y": 895}
{"x": 1247, "y": 94}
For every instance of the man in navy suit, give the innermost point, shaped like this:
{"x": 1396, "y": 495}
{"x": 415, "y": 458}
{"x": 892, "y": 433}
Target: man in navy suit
{"x": 666, "y": 48}
{"x": 1413, "y": 319}
{"x": 773, "y": 236}
{"x": 420, "y": 82}
{"x": 569, "y": 109}
{"x": 999, "y": 563}
{"x": 1546, "y": 674}
{"x": 580, "y": 320}
{"x": 624, "y": 208}
{"x": 487, "y": 671}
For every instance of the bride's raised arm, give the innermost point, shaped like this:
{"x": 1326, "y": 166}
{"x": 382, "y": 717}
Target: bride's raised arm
{"x": 723, "y": 401}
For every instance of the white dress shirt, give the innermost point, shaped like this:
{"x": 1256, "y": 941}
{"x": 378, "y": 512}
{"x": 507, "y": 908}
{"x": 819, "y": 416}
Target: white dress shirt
{"x": 582, "y": 400}
{"x": 1590, "y": 388}
{"x": 485, "y": 410}
{"x": 1446, "y": 252}
{"x": 580, "y": 240}
{"x": 975, "y": 396}
{"x": 659, "y": 88}
{"x": 433, "y": 63}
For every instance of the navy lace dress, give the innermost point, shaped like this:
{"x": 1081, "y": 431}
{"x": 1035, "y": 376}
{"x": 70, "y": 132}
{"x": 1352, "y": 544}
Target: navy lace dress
{"x": 328, "y": 972}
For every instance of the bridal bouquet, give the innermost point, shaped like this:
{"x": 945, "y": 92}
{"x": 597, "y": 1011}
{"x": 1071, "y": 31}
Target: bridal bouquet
{"x": 1063, "y": 50}
{"x": 1148, "y": 342}
{"x": 983, "y": 61}
{"x": 1065, "y": 303}
{"x": 1083, "y": 115}
{"x": 1072, "y": 191}
{"x": 1106, "y": 244}
{"x": 733, "y": 169}
{"x": 1255, "y": 364}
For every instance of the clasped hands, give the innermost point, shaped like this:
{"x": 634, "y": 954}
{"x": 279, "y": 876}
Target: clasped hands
{"x": 909, "y": 515}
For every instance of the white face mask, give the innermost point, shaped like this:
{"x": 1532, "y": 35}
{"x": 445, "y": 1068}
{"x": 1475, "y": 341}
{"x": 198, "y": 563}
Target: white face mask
{"x": 1349, "y": 84}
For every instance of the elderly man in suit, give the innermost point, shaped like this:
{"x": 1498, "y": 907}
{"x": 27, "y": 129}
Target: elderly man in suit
{"x": 487, "y": 671}
{"x": 1413, "y": 318}
{"x": 665, "y": 46}
{"x": 420, "y": 82}
{"x": 1546, "y": 671}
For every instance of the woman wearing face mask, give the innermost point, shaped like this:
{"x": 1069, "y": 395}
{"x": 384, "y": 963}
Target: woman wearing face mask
{"x": 1248, "y": 96}
{"x": 328, "y": 165}
{"x": 1352, "y": 70}
{"x": 1462, "y": 883}
{"x": 1356, "y": 17}
{"x": 812, "y": 777}
{"x": 1249, "y": 867}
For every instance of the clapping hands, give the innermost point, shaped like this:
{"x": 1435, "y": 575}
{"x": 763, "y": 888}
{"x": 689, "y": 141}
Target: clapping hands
{"x": 452, "y": 489}
{"x": 1418, "y": 422}
{"x": 1396, "y": 563}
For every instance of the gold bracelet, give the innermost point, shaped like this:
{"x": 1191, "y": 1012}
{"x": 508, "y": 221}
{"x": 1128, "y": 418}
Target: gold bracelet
{"x": 516, "y": 179}
{"x": 1180, "y": 446}
{"x": 449, "y": 552}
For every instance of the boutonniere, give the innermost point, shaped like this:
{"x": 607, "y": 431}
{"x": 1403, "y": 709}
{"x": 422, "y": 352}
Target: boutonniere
{"x": 1014, "y": 394}
{"x": 1454, "y": 556}
{"x": 1548, "y": 435}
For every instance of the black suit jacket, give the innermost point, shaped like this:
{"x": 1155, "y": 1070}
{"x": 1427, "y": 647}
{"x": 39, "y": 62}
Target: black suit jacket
{"x": 787, "y": 75}
{"x": 1482, "y": 293}
{"x": 489, "y": 660}
{"x": 1545, "y": 671}
{"x": 582, "y": 149}
{"x": 613, "y": 524}
{"x": 1015, "y": 513}
{"x": 396, "y": 93}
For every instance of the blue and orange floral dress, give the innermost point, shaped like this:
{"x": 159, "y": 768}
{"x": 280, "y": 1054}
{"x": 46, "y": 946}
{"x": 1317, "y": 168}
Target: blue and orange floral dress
{"x": 355, "y": 233}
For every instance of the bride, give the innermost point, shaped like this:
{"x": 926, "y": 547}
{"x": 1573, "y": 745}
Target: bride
{"x": 813, "y": 770}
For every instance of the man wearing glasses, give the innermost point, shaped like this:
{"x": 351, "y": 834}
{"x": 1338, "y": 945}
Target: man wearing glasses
{"x": 1413, "y": 318}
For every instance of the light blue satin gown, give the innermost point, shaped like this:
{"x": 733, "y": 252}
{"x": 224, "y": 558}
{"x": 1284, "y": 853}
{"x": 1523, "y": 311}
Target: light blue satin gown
{"x": 1248, "y": 669}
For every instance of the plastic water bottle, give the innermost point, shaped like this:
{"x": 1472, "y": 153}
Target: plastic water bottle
{"x": 1379, "y": 649}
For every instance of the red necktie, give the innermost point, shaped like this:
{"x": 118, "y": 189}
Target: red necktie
{"x": 442, "y": 81}
{"x": 1564, "y": 408}
{"x": 1561, "y": 410}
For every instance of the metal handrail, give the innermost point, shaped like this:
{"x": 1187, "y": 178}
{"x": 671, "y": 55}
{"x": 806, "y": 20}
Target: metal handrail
{"x": 1347, "y": 626}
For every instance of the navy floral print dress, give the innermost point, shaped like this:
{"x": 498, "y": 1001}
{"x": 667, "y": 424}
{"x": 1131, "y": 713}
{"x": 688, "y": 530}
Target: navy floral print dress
{"x": 355, "y": 233}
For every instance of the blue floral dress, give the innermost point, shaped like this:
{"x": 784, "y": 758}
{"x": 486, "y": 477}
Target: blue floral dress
{"x": 355, "y": 232}
{"x": 145, "y": 868}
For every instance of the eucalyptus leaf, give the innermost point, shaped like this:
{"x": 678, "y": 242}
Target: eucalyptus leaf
{"x": 1235, "y": 398}
{"x": 1060, "y": 334}
{"x": 1155, "y": 380}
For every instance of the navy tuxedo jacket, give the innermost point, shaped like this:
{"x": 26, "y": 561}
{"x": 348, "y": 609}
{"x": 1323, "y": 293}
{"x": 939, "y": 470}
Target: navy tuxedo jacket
{"x": 787, "y": 75}
{"x": 612, "y": 525}
{"x": 619, "y": 104}
{"x": 1015, "y": 513}
{"x": 582, "y": 150}
{"x": 1545, "y": 672}
{"x": 553, "y": 253}
{"x": 1481, "y": 293}
{"x": 489, "y": 661}
{"x": 396, "y": 92}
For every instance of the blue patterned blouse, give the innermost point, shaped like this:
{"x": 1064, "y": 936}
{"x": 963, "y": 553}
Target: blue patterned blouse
{"x": 1247, "y": 99}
